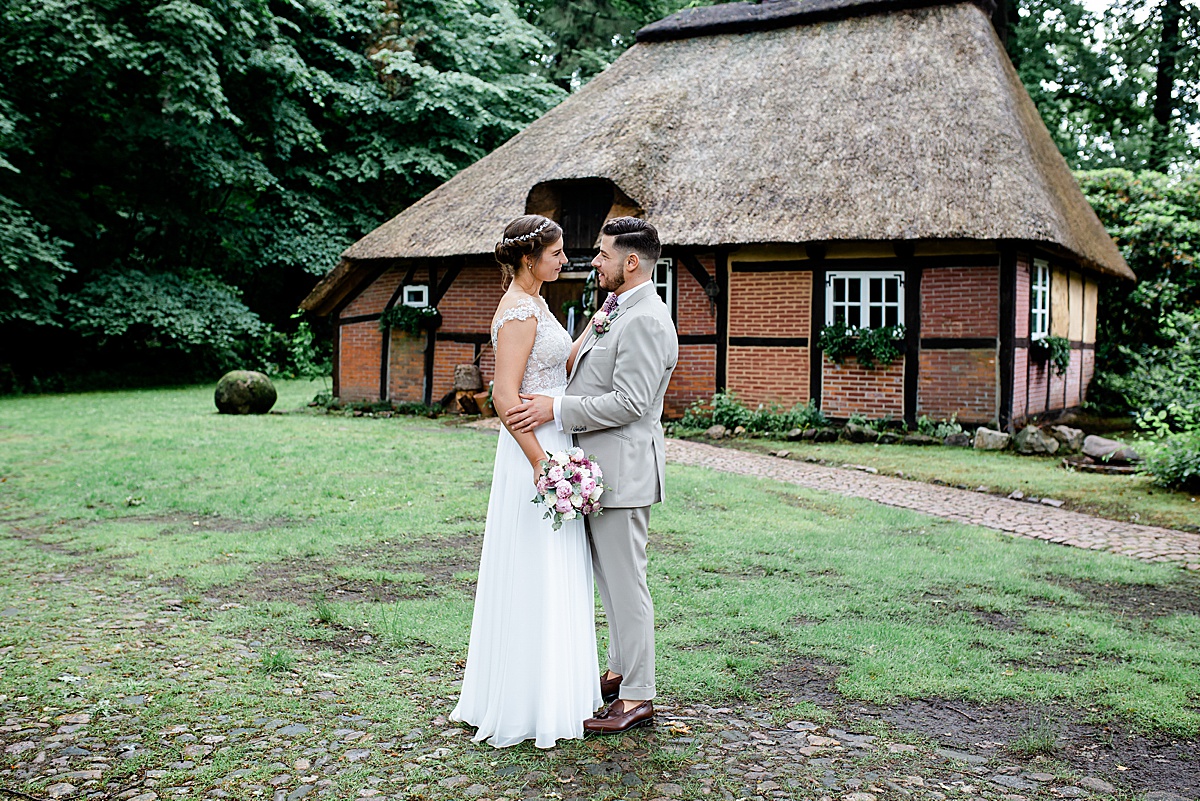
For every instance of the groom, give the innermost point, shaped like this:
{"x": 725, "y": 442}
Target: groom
{"x": 613, "y": 405}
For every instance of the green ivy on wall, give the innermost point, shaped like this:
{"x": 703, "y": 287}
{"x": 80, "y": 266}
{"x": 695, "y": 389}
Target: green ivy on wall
{"x": 1054, "y": 349}
{"x": 410, "y": 318}
{"x": 868, "y": 345}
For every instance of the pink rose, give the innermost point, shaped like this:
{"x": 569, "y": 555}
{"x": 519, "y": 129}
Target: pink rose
{"x": 563, "y": 488}
{"x": 543, "y": 484}
{"x": 587, "y": 485}
{"x": 563, "y": 505}
{"x": 556, "y": 474}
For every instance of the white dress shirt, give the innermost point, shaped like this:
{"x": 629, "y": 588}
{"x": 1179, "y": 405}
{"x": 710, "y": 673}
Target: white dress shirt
{"x": 621, "y": 298}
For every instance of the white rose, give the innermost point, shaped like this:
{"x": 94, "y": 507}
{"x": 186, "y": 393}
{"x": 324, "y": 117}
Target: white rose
{"x": 571, "y": 515}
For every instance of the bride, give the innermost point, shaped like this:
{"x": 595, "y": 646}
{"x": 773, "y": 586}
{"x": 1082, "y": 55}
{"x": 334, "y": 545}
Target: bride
{"x": 531, "y": 665}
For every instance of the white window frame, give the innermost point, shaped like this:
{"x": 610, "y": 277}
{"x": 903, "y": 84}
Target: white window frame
{"x": 864, "y": 303}
{"x": 666, "y": 287}
{"x": 421, "y": 292}
{"x": 1039, "y": 299}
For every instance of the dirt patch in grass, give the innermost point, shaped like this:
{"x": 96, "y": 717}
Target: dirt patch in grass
{"x": 1147, "y": 601}
{"x": 1002, "y": 731}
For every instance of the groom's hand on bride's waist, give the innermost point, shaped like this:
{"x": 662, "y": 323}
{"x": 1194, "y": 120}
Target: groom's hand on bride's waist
{"x": 533, "y": 412}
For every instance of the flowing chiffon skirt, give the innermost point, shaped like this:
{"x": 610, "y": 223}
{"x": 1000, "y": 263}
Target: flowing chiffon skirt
{"x": 532, "y": 670}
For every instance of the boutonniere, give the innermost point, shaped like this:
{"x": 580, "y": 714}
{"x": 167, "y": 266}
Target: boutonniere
{"x": 601, "y": 322}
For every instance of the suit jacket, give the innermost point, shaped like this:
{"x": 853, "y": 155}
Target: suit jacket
{"x": 614, "y": 399}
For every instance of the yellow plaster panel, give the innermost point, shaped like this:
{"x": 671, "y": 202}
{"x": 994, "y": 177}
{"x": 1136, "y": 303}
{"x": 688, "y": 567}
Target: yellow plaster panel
{"x": 860, "y": 250}
{"x": 768, "y": 253}
{"x": 1075, "y": 305}
{"x": 1060, "y": 312}
{"x": 953, "y": 247}
{"x": 1091, "y": 292}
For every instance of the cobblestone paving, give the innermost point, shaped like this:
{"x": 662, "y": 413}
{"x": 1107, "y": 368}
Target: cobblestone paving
{"x": 1019, "y": 518}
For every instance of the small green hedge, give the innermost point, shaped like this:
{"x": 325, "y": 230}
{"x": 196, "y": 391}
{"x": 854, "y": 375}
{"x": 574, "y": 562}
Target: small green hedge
{"x": 1174, "y": 461}
{"x": 725, "y": 409}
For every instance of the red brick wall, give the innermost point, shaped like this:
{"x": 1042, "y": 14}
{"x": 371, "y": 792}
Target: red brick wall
{"x": 375, "y": 297}
{"x": 693, "y": 311}
{"x": 470, "y": 302}
{"x": 359, "y": 354}
{"x": 1039, "y": 377}
{"x": 958, "y": 383}
{"x": 1020, "y": 386}
{"x": 694, "y": 379}
{"x": 960, "y": 302}
{"x": 446, "y": 356}
{"x": 695, "y": 374}
{"x": 769, "y": 375}
{"x": 1074, "y": 395}
{"x": 770, "y": 304}
{"x": 406, "y": 368}
{"x": 1021, "y": 307}
{"x": 1089, "y": 371}
{"x": 848, "y": 388}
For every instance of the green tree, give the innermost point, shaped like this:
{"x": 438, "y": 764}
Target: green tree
{"x": 239, "y": 144}
{"x": 588, "y": 35}
{"x": 1118, "y": 89}
{"x": 1148, "y": 353}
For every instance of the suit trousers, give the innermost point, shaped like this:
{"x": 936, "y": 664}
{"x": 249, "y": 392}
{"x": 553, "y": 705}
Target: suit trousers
{"x": 618, "y": 543}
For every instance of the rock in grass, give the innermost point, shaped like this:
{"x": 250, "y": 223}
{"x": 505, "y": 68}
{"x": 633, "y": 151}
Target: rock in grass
{"x": 959, "y": 440}
{"x": 715, "y": 432}
{"x": 244, "y": 392}
{"x": 988, "y": 440}
{"x": 1109, "y": 451}
{"x": 857, "y": 433}
{"x": 920, "y": 439}
{"x": 1070, "y": 438}
{"x": 1032, "y": 440}
{"x": 826, "y": 435}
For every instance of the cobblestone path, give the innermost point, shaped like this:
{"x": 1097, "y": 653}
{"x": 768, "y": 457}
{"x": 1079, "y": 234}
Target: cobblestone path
{"x": 1034, "y": 521}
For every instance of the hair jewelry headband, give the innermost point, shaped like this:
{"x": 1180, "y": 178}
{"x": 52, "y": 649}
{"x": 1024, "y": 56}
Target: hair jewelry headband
{"x": 524, "y": 237}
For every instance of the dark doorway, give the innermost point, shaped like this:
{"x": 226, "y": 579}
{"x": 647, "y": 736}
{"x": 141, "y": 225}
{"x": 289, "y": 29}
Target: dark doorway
{"x": 585, "y": 205}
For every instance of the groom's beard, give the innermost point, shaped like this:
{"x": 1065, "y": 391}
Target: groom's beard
{"x": 614, "y": 284}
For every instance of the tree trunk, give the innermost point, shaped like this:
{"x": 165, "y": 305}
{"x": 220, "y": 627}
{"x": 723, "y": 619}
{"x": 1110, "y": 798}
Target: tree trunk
{"x": 1164, "y": 85}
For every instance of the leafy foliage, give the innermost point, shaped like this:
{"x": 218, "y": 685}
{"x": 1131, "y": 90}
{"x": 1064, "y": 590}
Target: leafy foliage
{"x": 938, "y": 429}
{"x": 1054, "y": 349}
{"x": 588, "y": 35}
{"x": 1174, "y": 462}
{"x": 412, "y": 319}
{"x": 1148, "y": 348}
{"x": 1095, "y": 78}
{"x": 868, "y": 345}
{"x": 725, "y": 409}
{"x": 243, "y": 143}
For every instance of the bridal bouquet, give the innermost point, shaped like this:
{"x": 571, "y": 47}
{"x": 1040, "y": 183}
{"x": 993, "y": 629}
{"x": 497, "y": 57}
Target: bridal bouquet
{"x": 569, "y": 486}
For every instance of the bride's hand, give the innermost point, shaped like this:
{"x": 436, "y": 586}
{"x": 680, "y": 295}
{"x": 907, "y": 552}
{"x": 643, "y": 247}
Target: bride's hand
{"x": 537, "y": 466}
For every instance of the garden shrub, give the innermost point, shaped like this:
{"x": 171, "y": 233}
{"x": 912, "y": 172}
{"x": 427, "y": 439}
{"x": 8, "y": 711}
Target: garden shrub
{"x": 1174, "y": 461}
{"x": 938, "y": 429}
{"x": 725, "y": 409}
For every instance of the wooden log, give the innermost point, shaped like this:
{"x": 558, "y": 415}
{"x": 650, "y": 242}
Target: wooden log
{"x": 466, "y": 402}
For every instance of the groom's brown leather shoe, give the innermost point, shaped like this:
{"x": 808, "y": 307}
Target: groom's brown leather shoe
{"x": 613, "y": 722}
{"x": 609, "y": 688}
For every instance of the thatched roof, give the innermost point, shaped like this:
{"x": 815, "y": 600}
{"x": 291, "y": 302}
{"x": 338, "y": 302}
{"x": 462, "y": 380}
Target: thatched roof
{"x": 899, "y": 125}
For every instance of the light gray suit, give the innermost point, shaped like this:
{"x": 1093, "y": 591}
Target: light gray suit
{"x": 613, "y": 405}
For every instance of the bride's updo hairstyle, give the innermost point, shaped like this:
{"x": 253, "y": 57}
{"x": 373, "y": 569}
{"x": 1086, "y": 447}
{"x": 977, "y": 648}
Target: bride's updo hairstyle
{"x": 525, "y": 236}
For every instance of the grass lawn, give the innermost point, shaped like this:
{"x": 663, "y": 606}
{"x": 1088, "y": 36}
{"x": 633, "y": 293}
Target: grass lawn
{"x": 1132, "y": 498}
{"x": 229, "y": 602}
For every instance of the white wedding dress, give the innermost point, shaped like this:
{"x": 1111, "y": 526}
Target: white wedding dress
{"x": 532, "y": 670}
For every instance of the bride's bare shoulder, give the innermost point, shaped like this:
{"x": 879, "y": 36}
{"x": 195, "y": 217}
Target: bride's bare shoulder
{"x": 514, "y": 306}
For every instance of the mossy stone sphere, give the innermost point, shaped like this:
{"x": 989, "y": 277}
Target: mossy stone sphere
{"x": 244, "y": 392}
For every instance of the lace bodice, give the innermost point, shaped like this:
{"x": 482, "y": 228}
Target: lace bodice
{"x": 546, "y": 370}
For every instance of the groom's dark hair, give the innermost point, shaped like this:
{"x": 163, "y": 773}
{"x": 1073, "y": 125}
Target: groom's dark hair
{"x": 635, "y": 235}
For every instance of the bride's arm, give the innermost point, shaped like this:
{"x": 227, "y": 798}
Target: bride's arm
{"x": 514, "y": 343}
